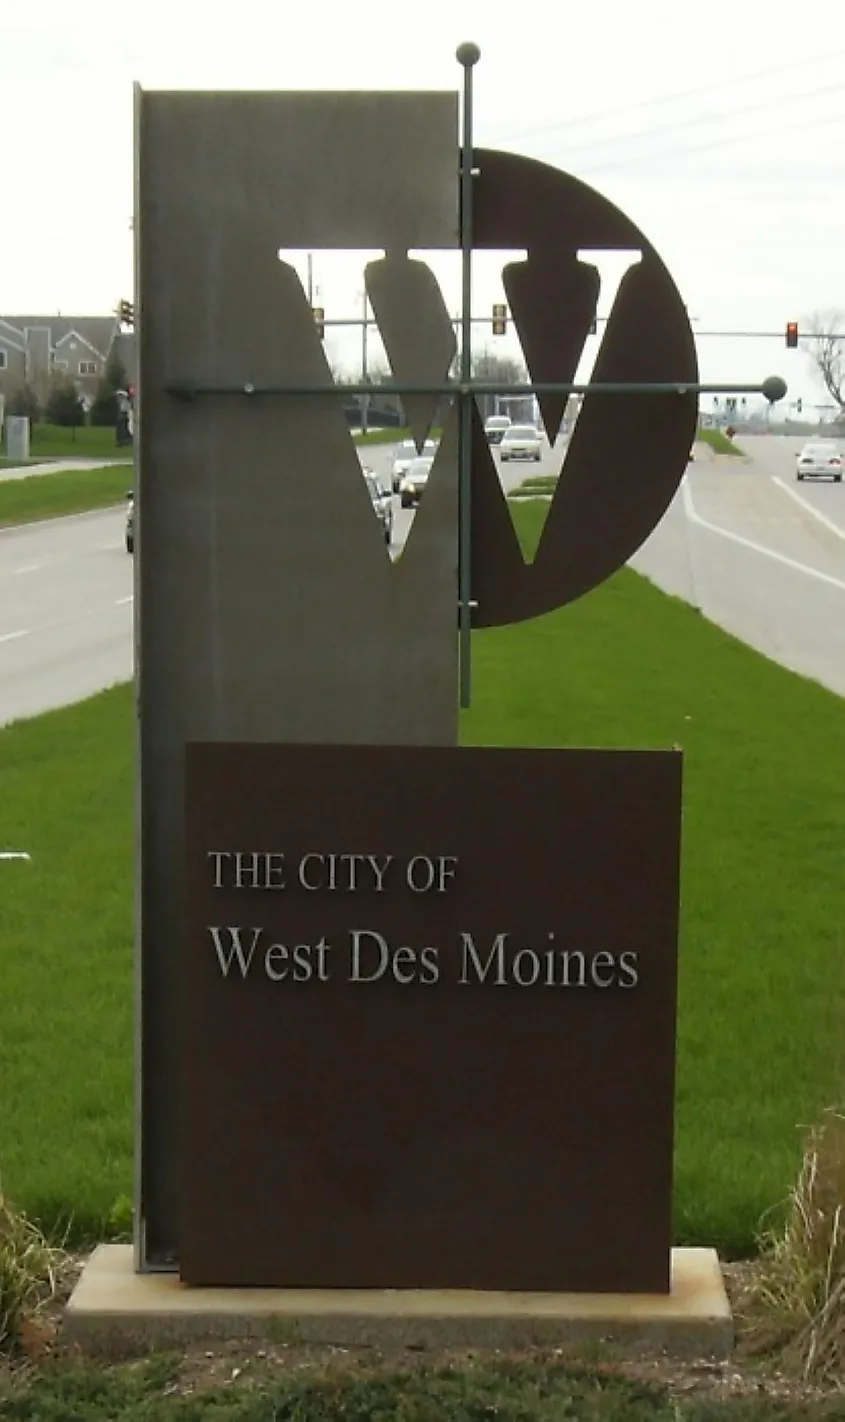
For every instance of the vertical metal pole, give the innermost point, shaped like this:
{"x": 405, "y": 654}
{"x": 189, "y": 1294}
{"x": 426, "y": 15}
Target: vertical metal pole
{"x": 467, "y": 55}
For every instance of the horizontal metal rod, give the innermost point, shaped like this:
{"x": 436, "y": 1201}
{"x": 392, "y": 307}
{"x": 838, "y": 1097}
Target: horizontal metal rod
{"x": 603, "y": 320}
{"x": 770, "y": 336}
{"x": 371, "y": 320}
{"x": 187, "y": 391}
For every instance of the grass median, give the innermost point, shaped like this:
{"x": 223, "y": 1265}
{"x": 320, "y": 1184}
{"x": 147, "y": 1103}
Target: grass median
{"x": 87, "y": 442}
{"x": 40, "y": 496}
{"x": 762, "y": 973}
{"x": 718, "y": 442}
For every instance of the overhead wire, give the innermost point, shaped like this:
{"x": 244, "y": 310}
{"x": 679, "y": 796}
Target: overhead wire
{"x": 679, "y": 96}
{"x": 713, "y": 143}
{"x": 720, "y": 117}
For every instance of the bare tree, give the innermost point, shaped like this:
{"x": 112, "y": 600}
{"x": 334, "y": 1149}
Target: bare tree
{"x": 827, "y": 352}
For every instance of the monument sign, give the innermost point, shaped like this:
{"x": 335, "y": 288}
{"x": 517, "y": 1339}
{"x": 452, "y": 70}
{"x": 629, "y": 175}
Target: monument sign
{"x": 406, "y": 1009}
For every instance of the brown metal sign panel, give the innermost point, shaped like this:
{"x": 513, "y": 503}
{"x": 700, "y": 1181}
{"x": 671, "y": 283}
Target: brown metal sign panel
{"x": 628, "y": 453}
{"x": 428, "y": 1017}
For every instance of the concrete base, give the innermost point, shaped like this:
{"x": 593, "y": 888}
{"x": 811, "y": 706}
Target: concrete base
{"x": 114, "y": 1310}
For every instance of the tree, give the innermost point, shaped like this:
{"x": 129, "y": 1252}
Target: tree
{"x": 24, "y": 402}
{"x": 496, "y": 369}
{"x": 105, "y": 409}
{"x": 488, "y": 365}
{"x": 827, "y": 352}
{"x": 65, "y": 406}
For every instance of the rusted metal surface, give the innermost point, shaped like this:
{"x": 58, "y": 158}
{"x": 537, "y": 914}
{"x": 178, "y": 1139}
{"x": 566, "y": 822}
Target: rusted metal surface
{"x": 628, "y": 452}
{"x": 429, "y": 1124}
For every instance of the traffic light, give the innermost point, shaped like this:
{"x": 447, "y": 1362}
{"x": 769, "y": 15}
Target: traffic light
{"x": 320, "y": 321}
{"x": 799, "y": 405}
{"x": 594, "y": 326}
{"x": 500, "y": 319}
{"x": 792, "y": 334}
{"x": 126, "y": 313}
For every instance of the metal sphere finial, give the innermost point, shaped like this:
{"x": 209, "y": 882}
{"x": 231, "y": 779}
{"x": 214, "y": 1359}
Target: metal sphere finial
{"x": 774, "y": 388}
{"x": 468, "y": 54}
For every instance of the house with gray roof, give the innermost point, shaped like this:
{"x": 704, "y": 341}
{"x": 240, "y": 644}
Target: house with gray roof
{"x": 36, "y": 350}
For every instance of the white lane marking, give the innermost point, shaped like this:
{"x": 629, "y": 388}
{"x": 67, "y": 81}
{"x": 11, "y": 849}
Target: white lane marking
{"x": 65, "y": 621}
{"x": 38, "y": 523}
{"x": 696, "y": 518}
{"x": 61, "y": 559}
{"x": 811, "y": 508}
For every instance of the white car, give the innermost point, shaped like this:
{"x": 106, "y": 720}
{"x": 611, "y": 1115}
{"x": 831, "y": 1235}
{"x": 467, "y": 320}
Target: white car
{"x": 405, "y": 455}
{"x": 382, "y": 503}
{"x": 521, "y": 442}
{"x": 820, "y": 460}
{"x": 495, "y": 427}
{"x": 415, "y": 480}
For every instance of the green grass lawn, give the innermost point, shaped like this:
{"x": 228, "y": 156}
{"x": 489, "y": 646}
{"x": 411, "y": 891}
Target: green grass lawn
{"x": 380, "y": 436}
{"x": 391, "y": 436}
{"x": 718, "y": 441}
{"x": 40, "y": 496}
{"x": 93, "y": 441}
{"x": 534, "y": 486}
{"x": 763, "y": 943}
{"x": 88, "y": 442}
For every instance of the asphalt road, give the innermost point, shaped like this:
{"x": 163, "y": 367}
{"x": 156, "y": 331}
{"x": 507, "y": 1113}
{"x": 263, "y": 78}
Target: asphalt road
{"x": 759, "y": 554}
{"x": 65, "y": 611}
{"x": 379, "y": 458}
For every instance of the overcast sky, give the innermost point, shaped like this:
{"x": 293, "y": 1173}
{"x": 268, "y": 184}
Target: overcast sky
{"x": 720, "y": 130}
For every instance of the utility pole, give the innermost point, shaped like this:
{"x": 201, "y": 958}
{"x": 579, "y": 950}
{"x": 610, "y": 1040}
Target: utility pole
{"x": 311, "y": 279}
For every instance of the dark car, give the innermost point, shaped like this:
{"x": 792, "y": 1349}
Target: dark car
{"x": 414, "y": 482}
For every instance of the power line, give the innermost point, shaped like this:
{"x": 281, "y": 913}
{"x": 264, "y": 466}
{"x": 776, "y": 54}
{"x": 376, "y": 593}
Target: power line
{"x": 712, "y": 144}
{"x": 725, "y": 114}
{"x": 682, "y": 94}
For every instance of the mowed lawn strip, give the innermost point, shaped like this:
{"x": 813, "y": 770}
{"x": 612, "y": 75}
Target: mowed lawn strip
{"x": 60, "y": 442}
{"x": 40, "y": 496}
{"x": 762, "y": 940}
{"x": 718, "y": 441}
{"x": 66, "y": 1035}
{"x": 762, "y": 982}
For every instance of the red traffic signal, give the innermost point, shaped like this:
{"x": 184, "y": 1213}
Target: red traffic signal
{"x": 792, "y": 334}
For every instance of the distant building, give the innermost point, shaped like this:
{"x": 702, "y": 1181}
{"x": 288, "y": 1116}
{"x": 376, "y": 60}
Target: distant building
{"x": 36, "y": 350}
